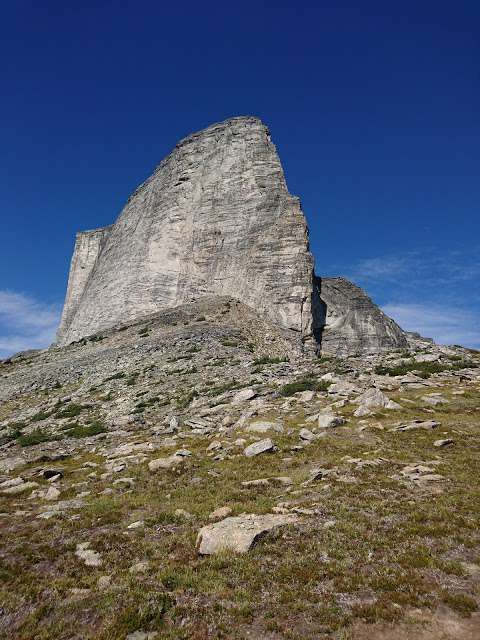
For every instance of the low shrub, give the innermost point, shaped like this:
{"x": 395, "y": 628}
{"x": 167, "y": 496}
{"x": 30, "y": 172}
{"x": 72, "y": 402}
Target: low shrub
{"x": 303, "y": 384}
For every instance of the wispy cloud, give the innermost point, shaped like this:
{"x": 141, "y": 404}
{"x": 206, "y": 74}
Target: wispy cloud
{"x": 25, "y": 322}
{"x": 429, "y": 268}
{"x": 444, "y": 325}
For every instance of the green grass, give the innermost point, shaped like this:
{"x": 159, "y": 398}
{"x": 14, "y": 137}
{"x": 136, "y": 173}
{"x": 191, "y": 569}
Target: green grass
{"x": 70, "y": 411}
{"x": 303, "y": 384}
{"x": 36, "y": 437}
{"x": 424, "y": 369}
{"x": 85, "y": 431}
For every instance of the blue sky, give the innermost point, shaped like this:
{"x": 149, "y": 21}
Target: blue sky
{"x": 373, "y": 107}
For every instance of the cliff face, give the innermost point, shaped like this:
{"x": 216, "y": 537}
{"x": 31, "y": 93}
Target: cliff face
{"x": 214, "y": 218}
{"x": 88, "y": 245}
{"x": 350, "y": 323}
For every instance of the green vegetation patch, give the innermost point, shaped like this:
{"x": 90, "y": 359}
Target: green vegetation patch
{"x": 424, "y": 369}
{"x": 303, "y": 384}
{"x": 85, "y": 431}
{"x": 70, "y": 411}
{"x": 36, "y": 437}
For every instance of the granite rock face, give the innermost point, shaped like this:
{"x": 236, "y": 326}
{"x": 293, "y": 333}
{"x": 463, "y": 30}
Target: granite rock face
{"x": 350, "y": 323}
{"x": 215, "y": 218}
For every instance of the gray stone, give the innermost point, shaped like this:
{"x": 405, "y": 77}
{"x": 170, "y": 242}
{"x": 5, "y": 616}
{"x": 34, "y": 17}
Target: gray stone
{"x": 306, "y": 434}
{"x": 191, "y": 229}
{"x": 426, "y": 425}
{"x": 263, "y": 427}
{"x": 259, "y": 447}
{"x": 446, "y": 442}
{"x": 238, "y": 533}
{"x": 17, "y": 489}
{"x": 165, "y": 463}
{"x": 328, "y": 420}
{"x": 90, "y": 557}
{"x": 350, "y": 323}
{"x": 375, "y": 398}
{"x": 243, "y": 396}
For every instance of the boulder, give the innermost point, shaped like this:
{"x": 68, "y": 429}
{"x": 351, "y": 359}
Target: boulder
{"x": 239, "y": 533}
{"x": 329, "y": 420}
{"x": 259, "y": 447}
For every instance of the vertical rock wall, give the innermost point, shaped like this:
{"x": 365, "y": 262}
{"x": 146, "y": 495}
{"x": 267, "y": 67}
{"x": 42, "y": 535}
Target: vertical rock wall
{"x": 88, "y": 245}
{"x": 214, "y": 218}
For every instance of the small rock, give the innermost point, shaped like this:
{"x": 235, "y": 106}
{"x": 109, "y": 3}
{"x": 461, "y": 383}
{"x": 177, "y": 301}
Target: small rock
{"x": 136, "y": 525}
{"x": 182, "y": 513}
{"x": 328, "y": 421}
{"x": 306, "y": 434}
{"x": 52, "y": 494}
{"x": 426, "y": 425}
{"x": 446, "y": 442}
{"x": 141, "y": 635}
{"x": 259, "y": 447}
{"x": 90, "y": 557}
{"x": 19, "y": 488}
{"x": 165, "y": 463}
{"x": 305, "y": 396}
{"x": 263, "y": 427}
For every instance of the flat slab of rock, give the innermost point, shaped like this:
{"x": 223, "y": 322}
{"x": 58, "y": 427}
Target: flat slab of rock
{"x": 261, "y": 426}
{"x": 259, "y": 447}
{"x": 19, "y": 488}
{"x": 243, "y": 396}
{"x": 426, "y": 425}
{"x": 239, "y": 533}
{"x": 165, "y": 463}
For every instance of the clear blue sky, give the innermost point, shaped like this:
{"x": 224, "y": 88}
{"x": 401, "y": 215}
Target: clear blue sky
{"x": 374, "y": 107}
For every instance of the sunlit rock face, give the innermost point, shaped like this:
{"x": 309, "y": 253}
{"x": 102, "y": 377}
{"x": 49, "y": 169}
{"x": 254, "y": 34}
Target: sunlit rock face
{"x": 215, "y": 217}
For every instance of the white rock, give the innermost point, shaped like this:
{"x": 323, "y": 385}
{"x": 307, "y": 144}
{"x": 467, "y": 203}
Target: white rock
{"x": 375, "y": 398}
{"x": 238, "y": 533}
{"x": 19, "y": 488}
{"x": 90, "y": 557}
{"x": 305, "y": 396}
{"x": 243, "y": 396}
{"x": 263, "y": 427}
{"x": 52, "y": 494}
{"x": 165, "y": 463}
{"x": 446, "y": 442}
{"x": 306, "y": 434}
{"x": 328, "y": 420}
{"x": 259, "y": 447}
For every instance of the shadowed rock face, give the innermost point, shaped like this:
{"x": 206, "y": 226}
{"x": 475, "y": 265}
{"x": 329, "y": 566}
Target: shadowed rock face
{"x": 350, "y": 323}
{"x": 214, "y": 218}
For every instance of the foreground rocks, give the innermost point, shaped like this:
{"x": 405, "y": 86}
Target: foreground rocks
{"x": 121, "y": 451}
